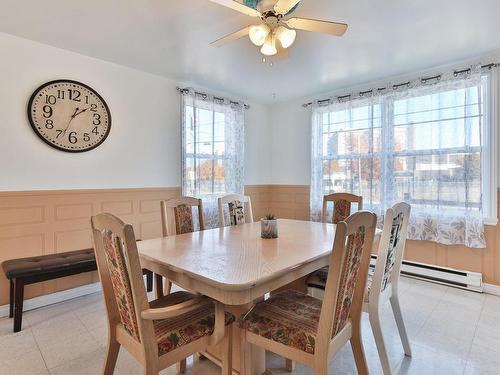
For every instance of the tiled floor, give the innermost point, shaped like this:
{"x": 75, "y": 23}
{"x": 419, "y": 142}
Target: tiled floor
{"x": 452, "y": 332}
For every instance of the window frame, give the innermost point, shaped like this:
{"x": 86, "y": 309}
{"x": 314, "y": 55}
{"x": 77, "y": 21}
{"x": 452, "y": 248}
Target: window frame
{"x": 195, "y": 156}
{"x": 488, "y": 148}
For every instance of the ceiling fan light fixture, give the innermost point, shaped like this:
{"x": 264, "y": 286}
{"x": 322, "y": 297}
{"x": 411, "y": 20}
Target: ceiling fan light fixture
{"x": 285, "y": 36}
{"x": 269, "y": 46}
{"x": 259, "y": 33}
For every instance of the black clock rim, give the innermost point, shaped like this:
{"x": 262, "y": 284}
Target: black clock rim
{"x": 30, "y": 118}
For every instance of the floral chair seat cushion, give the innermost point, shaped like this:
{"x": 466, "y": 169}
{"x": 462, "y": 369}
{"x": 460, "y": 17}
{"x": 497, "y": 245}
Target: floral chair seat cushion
{"x": 236, "y": 212}
{"x": 175, "y": 332}
{"x": 289, "y": 317}
{"x": 318, "y": 278}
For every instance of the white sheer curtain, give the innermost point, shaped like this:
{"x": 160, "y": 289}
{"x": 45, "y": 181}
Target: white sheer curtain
{"x": 421, "y": 143}
{"x": 212, "y": 149}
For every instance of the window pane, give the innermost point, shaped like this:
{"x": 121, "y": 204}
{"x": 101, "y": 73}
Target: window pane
{"x": 353, "y": 138}
{"x": 219, "y": 180}
{"x": 204, "y": 173}
{"x": 361, "y": 176}
{"x": 205, "y": 142}
{"x": 219, "y": 134}
{"x": 189, "y": 129}
{"x": 438, "y": 141}
{"x": 452, "y": 180}
{"x": 190, "y": 175}
{"x": 204, "y": 132}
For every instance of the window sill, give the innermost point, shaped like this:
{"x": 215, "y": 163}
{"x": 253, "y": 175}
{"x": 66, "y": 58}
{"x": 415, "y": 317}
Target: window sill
{"x": 490, "y": 221}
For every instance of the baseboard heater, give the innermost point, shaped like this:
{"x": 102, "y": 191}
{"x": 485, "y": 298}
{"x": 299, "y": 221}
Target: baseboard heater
{"x": 440, "y": 275}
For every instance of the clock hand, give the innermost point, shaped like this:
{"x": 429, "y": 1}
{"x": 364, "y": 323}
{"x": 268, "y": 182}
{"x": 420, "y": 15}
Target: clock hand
{"x": 71, "y": 119}
{"x": 83, "y": 110}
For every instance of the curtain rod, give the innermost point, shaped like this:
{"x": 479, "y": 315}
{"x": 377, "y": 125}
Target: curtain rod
{"x": 185, "y": 90}
{"x": 396, "y": 86}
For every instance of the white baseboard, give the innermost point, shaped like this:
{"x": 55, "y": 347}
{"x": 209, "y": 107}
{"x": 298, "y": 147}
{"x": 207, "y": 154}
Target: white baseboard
{"x": 49, "y": 299}
{"x": 491, "y": 289}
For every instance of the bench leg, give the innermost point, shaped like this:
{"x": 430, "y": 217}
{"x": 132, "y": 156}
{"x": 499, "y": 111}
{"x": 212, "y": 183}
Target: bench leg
{"x": 11, "y": 299}
{"x": 18, "y": 308}
{"x": 149, "y": 282}
{"x": 149, "y": 279}
{"x": 159, "y": 285}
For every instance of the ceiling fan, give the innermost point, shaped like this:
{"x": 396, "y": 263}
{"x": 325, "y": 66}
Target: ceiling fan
{"x": 275, "y": 32}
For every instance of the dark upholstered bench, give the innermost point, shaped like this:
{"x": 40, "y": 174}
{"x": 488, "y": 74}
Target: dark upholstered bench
{"x": 25, "y": 271}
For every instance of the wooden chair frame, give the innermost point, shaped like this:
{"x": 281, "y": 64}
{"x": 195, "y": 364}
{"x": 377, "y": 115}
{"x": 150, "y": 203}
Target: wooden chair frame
{"x": 377, "y": 296}
{"x": 326, "y": 347}
{"x": 245, "y": 199}
{"x": 334, "y": 197}
{"x": 146, "y": 351}
{"x": 166, "y": 207}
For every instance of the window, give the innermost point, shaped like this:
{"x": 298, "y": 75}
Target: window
{"x": 212, "y": 150}
{"x": 205, "y": 157}
{"x": 351, "y": 151}
{"x": 427, "y": 146}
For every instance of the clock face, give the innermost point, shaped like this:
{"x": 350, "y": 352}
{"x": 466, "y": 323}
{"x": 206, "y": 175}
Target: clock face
{"x": 69, "y": 116}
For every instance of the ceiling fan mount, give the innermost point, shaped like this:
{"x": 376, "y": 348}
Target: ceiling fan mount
{"x": 271, "y": 17}
{"x": 275, "y": 34}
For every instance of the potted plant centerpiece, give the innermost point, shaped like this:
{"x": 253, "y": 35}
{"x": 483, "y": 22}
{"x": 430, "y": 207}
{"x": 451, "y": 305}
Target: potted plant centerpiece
{"x": 269, "y": 226}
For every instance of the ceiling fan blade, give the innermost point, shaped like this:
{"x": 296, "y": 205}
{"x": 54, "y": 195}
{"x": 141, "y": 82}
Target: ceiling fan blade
{"x": 231, "y": 37}
{"x": 317, "y": 26}
{"x": 239, "y": 7}
{"x": 284, "y": 6}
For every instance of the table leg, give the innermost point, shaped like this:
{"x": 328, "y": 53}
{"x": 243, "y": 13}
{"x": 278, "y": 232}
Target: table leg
{"x": 252, "y": 358}
{"x": 255, "y": 356}
{"x": 258, "y": 364}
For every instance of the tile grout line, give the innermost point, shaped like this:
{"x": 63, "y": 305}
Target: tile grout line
{"x": 50, "y": 370}
{"x": 39, "y": 350}
{"x": 421, "y": 325}
{"x": 473, "y": 337}
{"x": 429, "y": 315}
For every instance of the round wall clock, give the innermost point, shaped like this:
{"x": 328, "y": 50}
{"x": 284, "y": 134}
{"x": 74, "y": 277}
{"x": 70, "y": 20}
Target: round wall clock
{"x": 69, "y": 115}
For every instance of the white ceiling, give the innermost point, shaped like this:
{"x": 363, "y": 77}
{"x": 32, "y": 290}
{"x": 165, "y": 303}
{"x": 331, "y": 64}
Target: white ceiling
{"x": 171, "y": 38}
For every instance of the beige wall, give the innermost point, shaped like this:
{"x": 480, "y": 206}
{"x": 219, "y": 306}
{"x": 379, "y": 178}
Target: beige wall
{"x": 46, "y": 222}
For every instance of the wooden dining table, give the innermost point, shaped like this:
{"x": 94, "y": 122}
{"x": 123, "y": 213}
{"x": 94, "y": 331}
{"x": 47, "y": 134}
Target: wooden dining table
{"x": 237, "y": 267}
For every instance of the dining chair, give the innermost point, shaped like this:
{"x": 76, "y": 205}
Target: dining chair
{"x": 342, "y": 205}
{"x": 302, "y": 328}
{"x": 239, "y": 209}
{"x": 383, "y": 284}
{"x": 178, "y": 211}
{"x": 157, "y": 333}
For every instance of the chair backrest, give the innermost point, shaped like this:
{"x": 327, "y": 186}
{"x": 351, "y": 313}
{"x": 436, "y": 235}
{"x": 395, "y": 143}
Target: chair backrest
{"x": 180, "y": 211}
{"x": 345, "y": 286}
{"x": 121, "y": 275}
{"x": 391, "y": 248}
{"x": 239, "y": 209}
{"x": 341, "y": 206}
